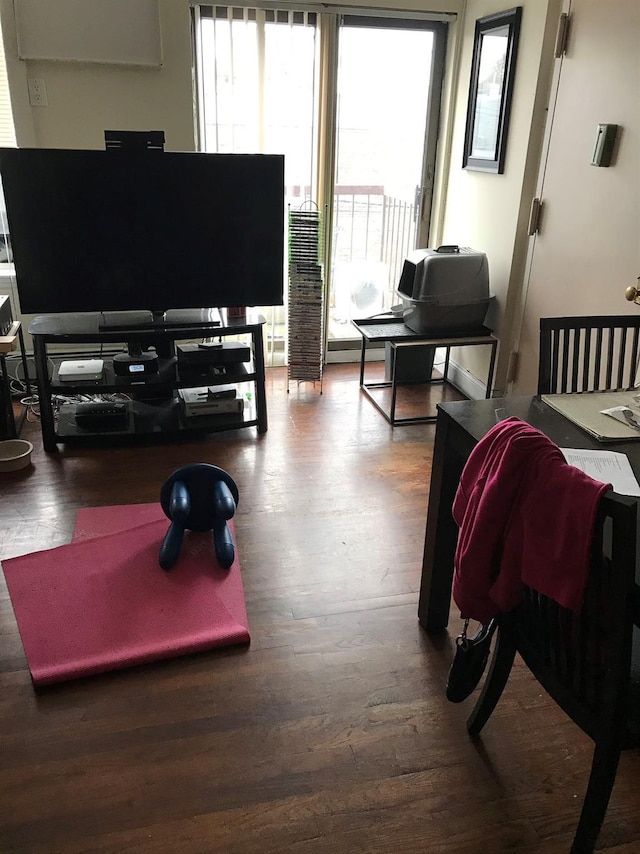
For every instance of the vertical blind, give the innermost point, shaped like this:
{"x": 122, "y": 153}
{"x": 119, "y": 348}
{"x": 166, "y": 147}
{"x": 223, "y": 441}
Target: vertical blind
{"x": 256, "y": 76}
{"x": 249, "y": 71}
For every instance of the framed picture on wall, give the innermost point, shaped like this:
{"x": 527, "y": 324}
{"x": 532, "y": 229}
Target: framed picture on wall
{"x": 493, "y": 66}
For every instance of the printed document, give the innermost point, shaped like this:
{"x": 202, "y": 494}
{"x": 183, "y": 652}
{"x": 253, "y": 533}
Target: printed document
{"x": 605, "y": 466}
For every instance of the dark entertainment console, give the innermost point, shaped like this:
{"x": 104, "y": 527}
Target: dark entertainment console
{"x": 148, "y": 403}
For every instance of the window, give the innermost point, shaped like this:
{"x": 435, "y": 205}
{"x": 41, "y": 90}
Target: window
{"x": 353, "y": 104}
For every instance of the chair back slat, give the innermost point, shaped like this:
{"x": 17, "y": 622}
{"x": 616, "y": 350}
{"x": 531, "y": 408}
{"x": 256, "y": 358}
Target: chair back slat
{"x": 581, "y": 657}
{"x": 621, "y": 359}
{"x": 597, "y": 362}
{"x": 555, "y": 348}
{"x": 610, "y": 351}
{"x": 566, "y": 352}
{"x": 575, "y": 370}
{"x": 586, "y": 360}
{"x": 633, "y": 361}
{"x": 567, "y": 659}
{"x": 580, "y": 354}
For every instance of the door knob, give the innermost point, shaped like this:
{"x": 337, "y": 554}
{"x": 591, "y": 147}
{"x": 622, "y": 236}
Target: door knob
{"x": 633, "y": 294}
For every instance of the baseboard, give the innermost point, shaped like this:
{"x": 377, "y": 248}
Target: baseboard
{"x": 465, "y": 382}
{"x": 459, "y": 377}
{"x": 339, "y": 357}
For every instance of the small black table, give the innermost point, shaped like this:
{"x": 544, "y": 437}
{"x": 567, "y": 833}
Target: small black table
{"x": 382, "y": 330}
{"x": 460, "y": 426}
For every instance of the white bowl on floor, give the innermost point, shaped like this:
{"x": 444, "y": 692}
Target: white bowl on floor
{"x": 15, "y": 454}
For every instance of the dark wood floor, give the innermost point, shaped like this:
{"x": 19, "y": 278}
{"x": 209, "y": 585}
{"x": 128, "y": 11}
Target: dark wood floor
{"x": 331, "y": 732}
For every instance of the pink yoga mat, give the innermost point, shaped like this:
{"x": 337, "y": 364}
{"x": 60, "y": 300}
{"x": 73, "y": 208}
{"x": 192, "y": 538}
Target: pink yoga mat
{"x": 103, "y": 602}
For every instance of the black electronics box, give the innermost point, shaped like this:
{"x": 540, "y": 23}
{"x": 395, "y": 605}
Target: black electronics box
{"x": 215, "y": 354}
{"x": 102, "y": 415}
{"x": 6, "y": 318}
{"x": 135, "y": 366}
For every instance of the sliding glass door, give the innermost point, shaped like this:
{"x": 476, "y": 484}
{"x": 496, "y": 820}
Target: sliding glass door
{"x": 353, "y": 104}
{"x": 384, "y": 161}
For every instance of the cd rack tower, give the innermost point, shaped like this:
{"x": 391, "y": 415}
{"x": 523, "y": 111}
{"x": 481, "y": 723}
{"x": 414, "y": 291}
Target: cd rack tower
{"x": 306, "y": 303}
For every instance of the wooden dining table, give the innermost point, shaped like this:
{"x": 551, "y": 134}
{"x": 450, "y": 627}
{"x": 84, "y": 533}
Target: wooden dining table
{"x": 459, "y": 427}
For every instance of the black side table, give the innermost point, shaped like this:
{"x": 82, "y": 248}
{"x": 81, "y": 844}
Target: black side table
{"x": 389, "y": 329}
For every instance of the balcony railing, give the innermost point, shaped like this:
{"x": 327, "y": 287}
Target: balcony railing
{"x": 369, "y": 225}
{"x": 372, "y": 234}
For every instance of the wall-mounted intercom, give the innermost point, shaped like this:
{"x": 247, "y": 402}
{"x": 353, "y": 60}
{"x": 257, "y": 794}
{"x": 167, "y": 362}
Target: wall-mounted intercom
{"x": 603, "y": 149}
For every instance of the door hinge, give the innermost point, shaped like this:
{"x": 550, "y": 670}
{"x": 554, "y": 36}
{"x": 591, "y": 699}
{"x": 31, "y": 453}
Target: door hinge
{"x": 512, "y": 367}
{"x": 562, "y": 35}
{"x": 534, "y": 217}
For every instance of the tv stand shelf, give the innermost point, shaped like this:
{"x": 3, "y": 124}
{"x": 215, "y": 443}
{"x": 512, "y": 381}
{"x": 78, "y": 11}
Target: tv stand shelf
{"x": 154, "y": 408}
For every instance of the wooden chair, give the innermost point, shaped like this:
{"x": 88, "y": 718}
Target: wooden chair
{"x": 580, "y": 354}
{"x": 588, "y": 663}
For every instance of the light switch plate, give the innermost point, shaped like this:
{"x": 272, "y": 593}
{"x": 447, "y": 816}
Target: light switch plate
{"x": 37, "y": 92}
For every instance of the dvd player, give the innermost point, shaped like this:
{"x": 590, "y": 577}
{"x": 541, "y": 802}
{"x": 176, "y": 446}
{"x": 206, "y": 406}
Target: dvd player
{"x": 199, "y": 401}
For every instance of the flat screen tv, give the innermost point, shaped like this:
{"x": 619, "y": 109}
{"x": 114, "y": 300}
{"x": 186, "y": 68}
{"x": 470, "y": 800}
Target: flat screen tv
{"x": 123, "y": 231}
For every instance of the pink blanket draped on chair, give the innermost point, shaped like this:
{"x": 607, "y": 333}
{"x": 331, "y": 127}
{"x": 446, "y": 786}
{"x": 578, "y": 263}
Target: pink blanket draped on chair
{"x": 525, "y": 516}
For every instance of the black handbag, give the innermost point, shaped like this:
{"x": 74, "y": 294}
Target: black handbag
{"x": 469, "y": 661}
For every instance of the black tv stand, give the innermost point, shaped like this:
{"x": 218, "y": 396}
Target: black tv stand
{"x": 150, "y": 321}
{"x": 154, "y": 408}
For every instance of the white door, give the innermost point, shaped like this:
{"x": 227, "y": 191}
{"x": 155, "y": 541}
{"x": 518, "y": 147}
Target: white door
{"x": 587, "y": 250}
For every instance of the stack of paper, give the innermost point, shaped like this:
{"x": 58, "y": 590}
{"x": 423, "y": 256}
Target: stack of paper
{"x": 586, "y": 410}
{"x": 605, "y": 466}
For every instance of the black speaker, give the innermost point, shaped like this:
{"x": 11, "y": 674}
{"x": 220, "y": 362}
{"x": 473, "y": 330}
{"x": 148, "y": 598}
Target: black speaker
{"x": 6, "y": 318}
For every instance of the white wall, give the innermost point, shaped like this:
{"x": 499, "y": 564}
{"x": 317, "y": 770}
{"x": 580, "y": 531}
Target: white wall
{"x": 489, "y": 212}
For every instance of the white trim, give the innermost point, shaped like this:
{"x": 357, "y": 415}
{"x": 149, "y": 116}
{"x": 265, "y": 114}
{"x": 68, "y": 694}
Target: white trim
{"x": 465, "y": 382}
{"x": 458, "y": 376}
{"x": 341, "y": 357}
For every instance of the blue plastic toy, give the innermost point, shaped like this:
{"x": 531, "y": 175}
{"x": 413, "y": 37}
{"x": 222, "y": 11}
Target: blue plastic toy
{"x": 199, "y": 497}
